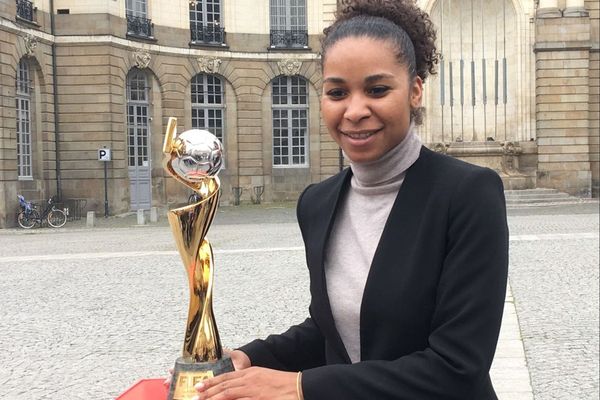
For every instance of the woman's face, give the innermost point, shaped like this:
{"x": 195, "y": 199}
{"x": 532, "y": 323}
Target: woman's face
{"x": 367, "y": 97}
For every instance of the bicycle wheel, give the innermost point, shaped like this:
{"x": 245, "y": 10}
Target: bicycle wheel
{"x": 27, "y": 220}
{"x": 57, "y": 218}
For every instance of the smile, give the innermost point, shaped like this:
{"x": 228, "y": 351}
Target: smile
{"x": 360, "y": 135}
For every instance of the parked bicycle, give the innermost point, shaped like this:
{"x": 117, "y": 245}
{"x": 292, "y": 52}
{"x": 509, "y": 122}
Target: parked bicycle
{"x": 29, "y": 216}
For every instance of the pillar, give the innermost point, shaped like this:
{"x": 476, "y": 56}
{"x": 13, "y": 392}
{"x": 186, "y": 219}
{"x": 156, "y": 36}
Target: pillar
{"x": 575, "y": 8}
{"x": 564, "y": 134}
{"x": 548, "y": 9}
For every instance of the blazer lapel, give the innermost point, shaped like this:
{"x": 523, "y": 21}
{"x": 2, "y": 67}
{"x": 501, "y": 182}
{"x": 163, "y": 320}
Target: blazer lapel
{"x": 402, "y": 220}
{"x": 322, "y": 225}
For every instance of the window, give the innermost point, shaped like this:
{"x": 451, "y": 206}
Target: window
{"x": 288, "y": 24}
{"x": 208, "y": 104}
{"x": 205, "y": 22}
{"x": 138, "y": 23}
{"x": 25, "y": 10}
{"x": 290, "y": 121}
{"x": 137, "y": 118}
{"x": 23, "y": 107}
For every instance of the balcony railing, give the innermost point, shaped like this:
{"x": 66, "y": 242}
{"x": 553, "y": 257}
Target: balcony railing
{"x": 139, "y": 26}
{"x": 208, "y": 34}
{"x": 289, "y": 38}
{"x": 25, "y": 10}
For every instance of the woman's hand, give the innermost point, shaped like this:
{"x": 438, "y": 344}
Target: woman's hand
{"x": 252, "y": 383}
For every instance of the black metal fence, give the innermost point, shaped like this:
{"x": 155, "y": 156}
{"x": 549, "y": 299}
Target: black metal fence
{"x": 75, "y": 207}
{"x": 25, "y": 10}
{"x": 139, "y": 26}
{"x": 209, "y": 34}
{"x": 289, "y": 38}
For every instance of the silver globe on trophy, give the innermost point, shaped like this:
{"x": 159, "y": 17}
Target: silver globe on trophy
{"x": 194, "y": 158}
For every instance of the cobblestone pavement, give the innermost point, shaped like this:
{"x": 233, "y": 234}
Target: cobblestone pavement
{"x": 555, "y": 286}
{"x": 87, "y": 312}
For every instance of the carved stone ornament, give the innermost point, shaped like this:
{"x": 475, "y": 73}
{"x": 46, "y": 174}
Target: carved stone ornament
{"x": 30, "y": 45}
{"x": 511, "y": 148}
{"x": 141, "y": 59}
{"x": 289, "y": 67}
{"x": 209, "y": 65}
{"x": 440, "y": 148}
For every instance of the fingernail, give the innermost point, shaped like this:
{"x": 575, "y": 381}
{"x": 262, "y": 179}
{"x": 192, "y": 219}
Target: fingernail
{"x": 196, "y": 398}
{"x": 199, "y": 386}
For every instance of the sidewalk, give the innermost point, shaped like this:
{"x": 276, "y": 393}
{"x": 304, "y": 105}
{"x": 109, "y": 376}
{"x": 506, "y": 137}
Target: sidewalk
{"x": 509, "y": 372}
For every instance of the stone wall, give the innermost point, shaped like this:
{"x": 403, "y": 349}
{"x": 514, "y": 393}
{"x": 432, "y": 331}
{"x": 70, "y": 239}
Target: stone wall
{"x": 593, "y": 7}
{"x": 563, "y": 103}
{"x": 14, "y": 47}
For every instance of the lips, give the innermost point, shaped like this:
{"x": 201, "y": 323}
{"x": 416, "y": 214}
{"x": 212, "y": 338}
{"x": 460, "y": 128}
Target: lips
{"x": 360, "y": 135}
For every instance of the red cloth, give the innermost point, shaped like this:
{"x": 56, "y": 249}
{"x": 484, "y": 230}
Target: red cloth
{"x": 146, "y": 389}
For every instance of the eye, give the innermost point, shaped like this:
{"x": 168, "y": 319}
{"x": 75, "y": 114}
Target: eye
{"x": 378, "y": 91}
{"x": 336, "y": 94}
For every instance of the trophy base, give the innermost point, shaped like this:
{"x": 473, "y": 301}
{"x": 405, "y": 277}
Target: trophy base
{"x": 187, "y": 374}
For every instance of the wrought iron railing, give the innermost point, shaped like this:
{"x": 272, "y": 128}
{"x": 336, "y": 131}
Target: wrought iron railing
{"x": 139, "y": 26}
{"x": 25, "y": 10}
{"x": 289, "y": 38}
{"x": 210, "y": 34}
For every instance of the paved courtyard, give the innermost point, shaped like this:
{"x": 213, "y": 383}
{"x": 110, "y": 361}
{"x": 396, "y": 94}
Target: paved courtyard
{"x": 87, "y": 312}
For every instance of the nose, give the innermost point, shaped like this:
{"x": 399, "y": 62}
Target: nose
{"x": 357, "y": 109}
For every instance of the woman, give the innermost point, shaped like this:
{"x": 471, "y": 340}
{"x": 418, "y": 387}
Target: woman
{"x": 407, "y": 249}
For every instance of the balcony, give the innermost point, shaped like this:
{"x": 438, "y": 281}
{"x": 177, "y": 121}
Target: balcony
{"x": 139, "y": 27}
{"x": 289, "y": 39}
{"x": 213, "y": 35}
{"x": 25, "y": 10}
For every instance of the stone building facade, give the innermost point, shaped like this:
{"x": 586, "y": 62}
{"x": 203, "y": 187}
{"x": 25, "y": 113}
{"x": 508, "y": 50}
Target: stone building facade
{"x": 108, "y": 73}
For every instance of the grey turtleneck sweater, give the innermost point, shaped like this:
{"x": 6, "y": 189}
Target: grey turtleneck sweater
{"x": 356, "y": 232}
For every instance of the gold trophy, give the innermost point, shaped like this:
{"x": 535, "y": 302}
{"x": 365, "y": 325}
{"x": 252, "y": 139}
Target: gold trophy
{"x": 194, "y": 158}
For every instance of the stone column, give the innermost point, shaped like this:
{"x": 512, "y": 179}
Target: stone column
{"x": 548, "y": 9}
{"x": 575, "y": 8}
{"x": 562, "y": 52}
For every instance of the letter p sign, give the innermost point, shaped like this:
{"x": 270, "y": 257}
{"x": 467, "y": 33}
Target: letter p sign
{"x": 103, "y": 154}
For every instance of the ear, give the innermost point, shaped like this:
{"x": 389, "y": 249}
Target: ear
{"x": 416, "y": 92}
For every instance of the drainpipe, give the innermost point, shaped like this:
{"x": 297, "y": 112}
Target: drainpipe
{"x": 55, "y": 87}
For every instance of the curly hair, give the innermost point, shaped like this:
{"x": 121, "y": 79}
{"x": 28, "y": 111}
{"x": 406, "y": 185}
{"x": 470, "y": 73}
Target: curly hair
{"x": 401, "y": 22}
{"x": 405, "y": 14}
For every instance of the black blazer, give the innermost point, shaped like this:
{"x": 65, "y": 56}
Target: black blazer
{"x": 433, "y": 301}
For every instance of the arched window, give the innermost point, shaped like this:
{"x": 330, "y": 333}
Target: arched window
{"x": 290, "y": 121}
{"x": 138, "y": 139}
{"x": 208, "y": 104}
{"x": 23, "y": 107}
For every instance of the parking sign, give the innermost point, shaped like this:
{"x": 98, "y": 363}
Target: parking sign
{"x": 103, "y": 154}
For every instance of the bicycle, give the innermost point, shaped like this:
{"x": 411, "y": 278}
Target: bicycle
{"x": 28, "y": 216}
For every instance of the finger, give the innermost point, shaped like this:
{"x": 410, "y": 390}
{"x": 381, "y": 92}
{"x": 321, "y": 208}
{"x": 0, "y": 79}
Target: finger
{"x": 211, "y": 382}
{"x": 229, "y": 389}
{"x": 239, "y": 398}
{"x": 237, "y": 393}
{"x": 169, "y": 378}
